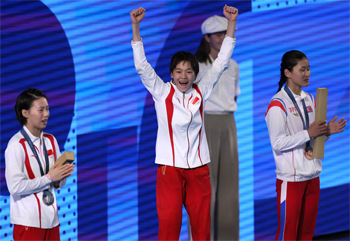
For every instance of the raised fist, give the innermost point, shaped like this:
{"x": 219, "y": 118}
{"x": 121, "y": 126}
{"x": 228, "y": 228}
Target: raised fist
{"x": 230, "y": 13}
{"x": 137, "y": 15}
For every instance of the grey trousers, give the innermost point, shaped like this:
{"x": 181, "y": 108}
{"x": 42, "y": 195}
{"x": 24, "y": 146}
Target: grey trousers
{"x": 222, "y": 140}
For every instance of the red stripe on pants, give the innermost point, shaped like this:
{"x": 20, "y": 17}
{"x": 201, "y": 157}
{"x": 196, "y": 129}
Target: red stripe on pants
{"x": 30, "y": 233}
{"x": 301, "y": 209}
{"x": 191, "y": 187}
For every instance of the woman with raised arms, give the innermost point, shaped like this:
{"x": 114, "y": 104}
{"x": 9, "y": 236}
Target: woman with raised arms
{"x": 182, "y": 149}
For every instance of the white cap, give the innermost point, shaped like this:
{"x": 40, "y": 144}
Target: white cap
{"x": 214, "y": 24}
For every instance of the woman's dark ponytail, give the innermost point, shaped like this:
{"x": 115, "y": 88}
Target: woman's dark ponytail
{"x": 283, "y": 80}
{"x": 289, "y": 60}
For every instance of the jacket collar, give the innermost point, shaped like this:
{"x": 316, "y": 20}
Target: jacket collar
{"x": 31, "y": 136}
{"x": 301, "y": 96}
{"x": 189, "y": 91}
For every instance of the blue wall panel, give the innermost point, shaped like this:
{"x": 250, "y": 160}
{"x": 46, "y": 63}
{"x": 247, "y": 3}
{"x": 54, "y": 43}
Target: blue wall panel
{"x": 79, "y": 54}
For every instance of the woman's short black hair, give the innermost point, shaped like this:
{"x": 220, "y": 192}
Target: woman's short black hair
{"x": 24, "y": 102}
{"x": 184, "y": 56}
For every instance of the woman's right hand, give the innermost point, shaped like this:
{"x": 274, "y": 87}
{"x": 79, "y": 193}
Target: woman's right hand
{"x": 317, "y": 128}
{"x": 57, "y": 173}
{"x": 231, "y": 13}
{"x": 137, "y": 15}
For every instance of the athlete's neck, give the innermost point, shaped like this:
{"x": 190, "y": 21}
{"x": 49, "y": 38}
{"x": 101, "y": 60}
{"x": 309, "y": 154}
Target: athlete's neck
{"x": 296, "y": 89}
{"x": 34, "y": 131}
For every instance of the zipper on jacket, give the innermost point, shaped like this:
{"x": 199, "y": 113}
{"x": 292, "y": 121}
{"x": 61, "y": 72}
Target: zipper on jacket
{"x": 183, "y": 100}
{"x": 188, "y": 139}
{"x": 188, "y": 127}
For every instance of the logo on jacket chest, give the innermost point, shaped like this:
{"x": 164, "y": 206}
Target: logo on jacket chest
{"x": 195, "y": 100}
{"x": 294, "y": 111}
{"x": 49, "y": 153}
{"x": 190, "y": 102}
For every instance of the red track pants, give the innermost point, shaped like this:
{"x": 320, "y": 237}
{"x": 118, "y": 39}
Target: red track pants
{"x": 191, "y": 187}
{"x": 297, "y": 206}
{"x": 30, "y": 233}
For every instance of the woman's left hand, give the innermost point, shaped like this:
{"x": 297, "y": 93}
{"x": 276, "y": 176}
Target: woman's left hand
{"x": 334, "y": 127}
{"x": 230, "y": 13}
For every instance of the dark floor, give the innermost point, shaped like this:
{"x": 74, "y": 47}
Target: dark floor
{"x": 335, "y": 236}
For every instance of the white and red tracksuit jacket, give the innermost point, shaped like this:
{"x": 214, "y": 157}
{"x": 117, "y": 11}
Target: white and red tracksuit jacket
{"x": 181, "y": 140}
{"x": 25, "y": 183}
{"x": 288, "y": 138}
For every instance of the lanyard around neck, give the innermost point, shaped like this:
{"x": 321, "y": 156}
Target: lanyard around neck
{"x": 291, "y": 96}
{"x": 30, "y": 143}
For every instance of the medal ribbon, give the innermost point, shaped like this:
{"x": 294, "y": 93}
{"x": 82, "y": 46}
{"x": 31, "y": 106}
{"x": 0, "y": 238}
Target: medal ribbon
{"x": 48, "y": 198}
{"x": 305, "y": 125}
{"x": 31, "y": 145}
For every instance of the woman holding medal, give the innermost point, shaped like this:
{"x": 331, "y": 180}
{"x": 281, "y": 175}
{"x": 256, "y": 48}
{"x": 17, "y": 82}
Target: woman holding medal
{"x": 182, "y": 149}
{"x": 290, "y": 120}
{"x": 30, "y": 171}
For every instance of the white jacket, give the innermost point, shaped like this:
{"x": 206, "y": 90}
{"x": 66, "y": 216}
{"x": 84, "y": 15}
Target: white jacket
{"x": 222, "y": 98}
{"x": 288, "y": 138}
{"x": 181, "y": 140}
{"x": 26, "y": 205}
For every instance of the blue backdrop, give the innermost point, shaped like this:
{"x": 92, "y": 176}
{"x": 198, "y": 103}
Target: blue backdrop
{"x": 79, "y": 54}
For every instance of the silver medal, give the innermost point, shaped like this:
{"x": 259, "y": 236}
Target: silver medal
{"x": 48, "y": 197}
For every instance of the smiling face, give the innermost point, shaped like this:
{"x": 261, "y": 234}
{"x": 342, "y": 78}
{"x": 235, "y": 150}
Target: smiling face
{"x": 183, "y": 76}
{"x": 37, "y": 116}
{"x": 299, "y": 76}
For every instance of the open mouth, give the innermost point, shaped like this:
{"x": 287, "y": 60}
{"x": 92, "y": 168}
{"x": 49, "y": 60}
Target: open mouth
{"x": 183, "y": 83}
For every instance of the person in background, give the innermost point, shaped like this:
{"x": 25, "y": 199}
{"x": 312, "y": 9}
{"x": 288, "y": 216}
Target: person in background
{"x": 221, "y": 133}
